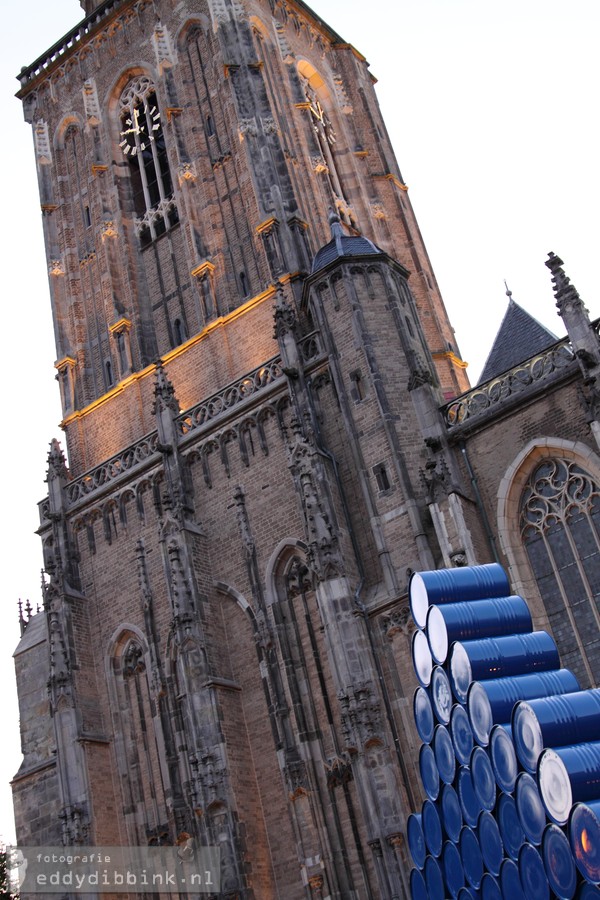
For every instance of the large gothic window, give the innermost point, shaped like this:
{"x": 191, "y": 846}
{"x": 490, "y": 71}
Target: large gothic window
{"x": 143, "y": 144}
{"x": 560, "y": 529}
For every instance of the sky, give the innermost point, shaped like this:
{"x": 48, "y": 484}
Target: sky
{"x": 492, "y": 108}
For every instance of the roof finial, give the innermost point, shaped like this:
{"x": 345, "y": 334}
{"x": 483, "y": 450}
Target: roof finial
{"x": 508, "y": 292}
{"x": 337, "y": 231}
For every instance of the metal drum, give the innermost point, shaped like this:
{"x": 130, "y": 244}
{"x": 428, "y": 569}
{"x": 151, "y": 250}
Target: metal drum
{"x": 454, "y": 586}
{"x": 453, "y": 869}
{"x": 490, "y": 889}
{"x": 533, "y": 874}
{"x": 444, "y": 754}
{"x": 441, "y": 695}
{"x": 584, "y": 835}
{"x": 469, "y": 803}
{"x": 510, "y": 881}
{"x": 466, "y": 893}
{"x": 422, "y": 659}
{"x": 470, "y": 853}
{"x": 504, "y": 758}
{"x": 430, "y": 775}
{"x": 511, "y": 830}
{"x": 418, "y": 888}
{"x": 484, "y": 782}
{"x": 416, "y": 839}
{"x": 513, "y": 654}
{"x": 555, "y": 722}
{"x": 493, "y": 617}
{"x": 567, "y": 775}
{"x": 488, "y": 835}
{"x": 451, "y": 813}
{"x": 461, "y": 734}
{"x": 432, "y": 827}
{"x": 492, "y": 702}
{"x": 559, "y": 863}
{"x": 423, "y": 715}
{"x": 530, "y": 808}
{"x": 434, "y": 879}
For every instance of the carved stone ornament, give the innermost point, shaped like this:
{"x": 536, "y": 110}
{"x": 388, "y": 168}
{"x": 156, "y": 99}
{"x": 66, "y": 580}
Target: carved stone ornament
{"x": 186, "y": 172}
{"x": 56, "y": 267}
{"x": 318, "y": 164}
{"x": 398, "y": 621}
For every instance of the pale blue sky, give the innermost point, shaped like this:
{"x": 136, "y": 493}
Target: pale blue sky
{"x": 493, "y": 111}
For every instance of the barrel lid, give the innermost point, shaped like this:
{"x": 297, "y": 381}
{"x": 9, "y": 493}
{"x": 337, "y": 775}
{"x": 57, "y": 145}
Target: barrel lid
{"x": 504, "y": 760}
{"x": 555, "y": 786}
{"x": 558, "y": 862}
{"x": 527, "y": 736}
{"x": 421, "y": 657}
{"x": 532, "y": 873}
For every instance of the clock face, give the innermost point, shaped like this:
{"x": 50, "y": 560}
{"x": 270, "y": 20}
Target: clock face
{"x": 141, "y": 127}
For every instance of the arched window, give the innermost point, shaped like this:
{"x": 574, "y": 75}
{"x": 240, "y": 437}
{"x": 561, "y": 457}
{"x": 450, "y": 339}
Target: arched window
{"x": 559, "y": 519}
{"x": 143, "y": 144}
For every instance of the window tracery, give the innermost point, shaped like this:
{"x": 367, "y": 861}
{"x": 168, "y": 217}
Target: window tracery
{"x": 559, "y": 519}
{"x": 142, "y": 141}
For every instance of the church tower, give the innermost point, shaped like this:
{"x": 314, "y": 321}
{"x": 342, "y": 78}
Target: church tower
{"x": 252, "y": 351}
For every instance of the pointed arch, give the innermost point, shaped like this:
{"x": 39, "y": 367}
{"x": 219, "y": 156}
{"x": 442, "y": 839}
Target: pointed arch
{"x": 549, "y": 527}
{"x": 137, "y": 737}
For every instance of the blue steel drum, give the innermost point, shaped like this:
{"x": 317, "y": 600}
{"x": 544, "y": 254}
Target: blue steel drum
{"x": 434, "y": 879}
{"x": 418, "y": 888}
{"x": 584, "y": 835}
{"x": 530, "y": 808}
{"x": 559, "y": 863}
{"x": 469, "y": 803}
{"x": 451, "y": 813}
{"x": 511, "y": 830}
{"x": 461, "y": 734}
{"x": 441, "y": 695}
{"x": 493, "y": 701}
{"x": 504, "y": 758}
{"x": 444, "y": 754}
{"x": 453, "y": 869}
{"x": 513, "y": 654}
{"x": 533, "y": 874}
{"x": 423, "y": 715}
{"x": 467, "y": 893}
{"x": 483, "y": 778}
{"x": 432, "y": 827}
{"x": 469, "y": 621}
{"x": 454, "y": 586}
{"x": 555, "y": 722}
{"x": 470, "y": 853}
{"x": 416, "y": 839}
{"x": 488, "y": 835}
{"x": 490, "y": 889}
{"x": 510, "y": 881}
{"x": 430, "y": 775}
{"x": 422, "y": 659}
{"x": 567, "y": 775}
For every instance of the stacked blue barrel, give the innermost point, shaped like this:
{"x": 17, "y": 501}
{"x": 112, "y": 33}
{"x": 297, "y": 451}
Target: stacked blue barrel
{"x": 510, "y": 759}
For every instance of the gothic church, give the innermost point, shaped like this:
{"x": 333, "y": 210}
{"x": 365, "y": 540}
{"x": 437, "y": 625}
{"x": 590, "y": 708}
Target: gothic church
{"x": 268, "y": 427}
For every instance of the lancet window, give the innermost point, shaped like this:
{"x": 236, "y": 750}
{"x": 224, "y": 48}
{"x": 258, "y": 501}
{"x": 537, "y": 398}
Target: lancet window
{"x": 560, "y": 529}
{"x": 142, "y": 141}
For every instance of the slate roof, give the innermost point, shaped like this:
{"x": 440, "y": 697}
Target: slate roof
{"x": 519, "y": 337}
{"x": 342, "y": 245}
